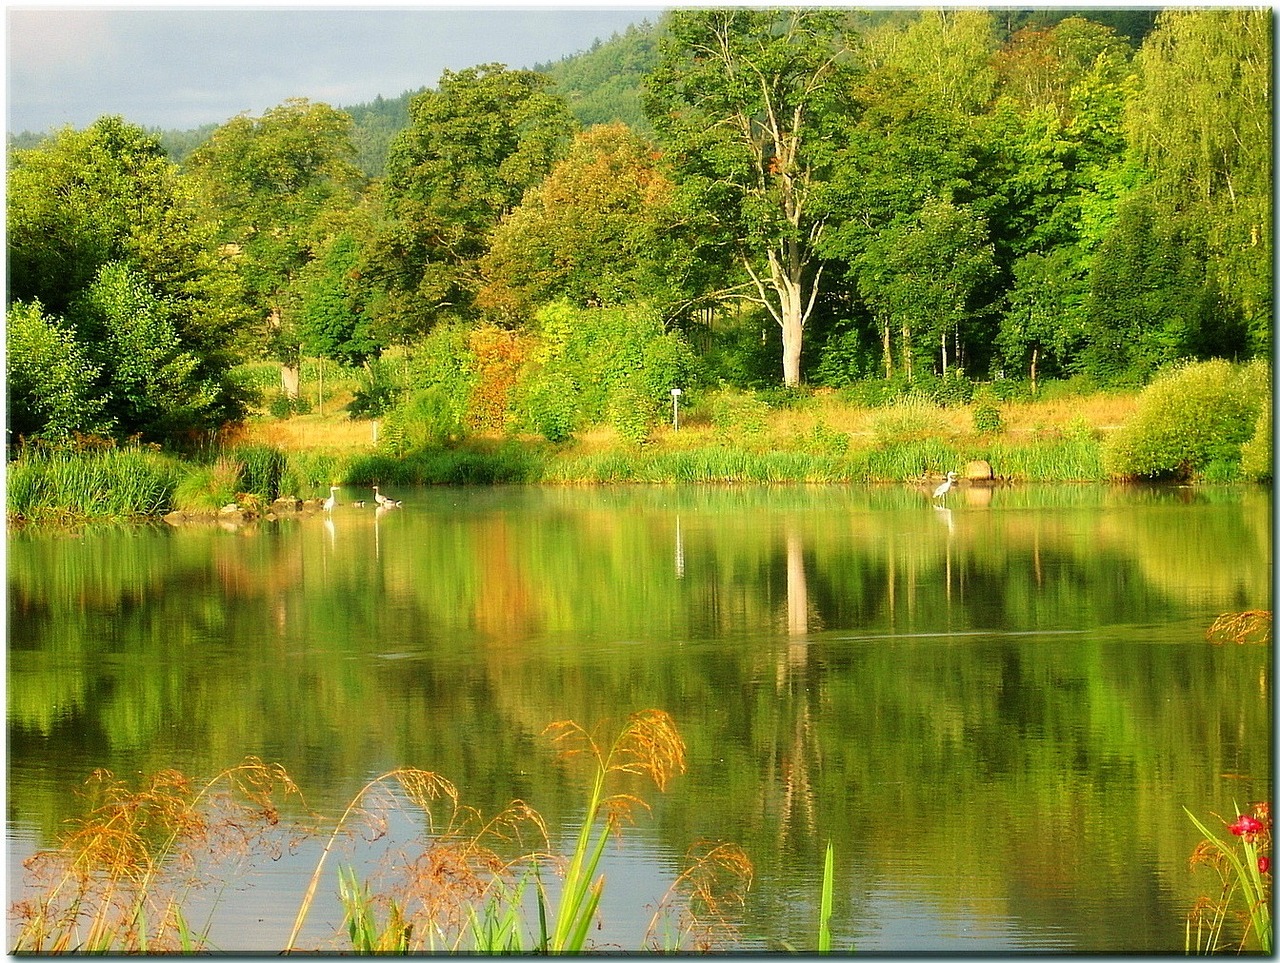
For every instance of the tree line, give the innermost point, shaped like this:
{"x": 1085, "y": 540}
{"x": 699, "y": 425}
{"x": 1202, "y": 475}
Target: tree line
{"x": 814, "y": 196}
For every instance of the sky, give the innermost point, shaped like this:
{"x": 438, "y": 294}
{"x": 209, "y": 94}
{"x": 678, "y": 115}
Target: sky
{"x": 177, "y": 67}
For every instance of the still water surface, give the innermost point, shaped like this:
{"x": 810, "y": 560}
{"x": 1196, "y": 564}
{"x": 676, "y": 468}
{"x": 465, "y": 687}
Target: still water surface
{"x": 995, "y": 711}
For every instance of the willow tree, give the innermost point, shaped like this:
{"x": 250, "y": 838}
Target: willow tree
{"x": 744, "y": 102}
{"x": 1201, "y": 122}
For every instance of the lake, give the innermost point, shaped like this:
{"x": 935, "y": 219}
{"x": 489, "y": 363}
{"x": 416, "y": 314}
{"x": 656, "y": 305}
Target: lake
{"x": 995, "y": 711}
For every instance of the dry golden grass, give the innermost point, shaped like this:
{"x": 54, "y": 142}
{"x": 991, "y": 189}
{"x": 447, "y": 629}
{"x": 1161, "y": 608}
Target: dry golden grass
{"x": 312, "y": 432}
{"x": 118, "y": 881}
{"x": 1241, "y": 627}
{"x": 1103, "y": 412}
{"x": 338, "y": 434}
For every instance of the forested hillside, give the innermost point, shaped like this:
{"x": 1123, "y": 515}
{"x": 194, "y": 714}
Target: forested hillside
{"x": 603, "y": 84}
{"x": 905, "y": 200}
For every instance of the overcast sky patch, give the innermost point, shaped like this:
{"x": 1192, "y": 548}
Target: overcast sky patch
{"x": 182, "y": 68}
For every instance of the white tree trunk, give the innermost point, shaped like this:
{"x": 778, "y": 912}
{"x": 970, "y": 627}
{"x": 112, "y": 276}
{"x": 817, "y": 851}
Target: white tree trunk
{"x": 888, "y": 350}
{"x": 290, "y": 376}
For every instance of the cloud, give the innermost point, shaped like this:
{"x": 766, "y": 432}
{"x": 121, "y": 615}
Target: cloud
{"x": 180, "y": 68}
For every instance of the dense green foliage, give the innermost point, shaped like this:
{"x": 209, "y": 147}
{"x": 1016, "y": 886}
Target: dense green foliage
{"x": 270, "y": 180}
{"x": 1193, "y": 420}
{"x": 875, "y": 199}
{"x": 113, "y": 273}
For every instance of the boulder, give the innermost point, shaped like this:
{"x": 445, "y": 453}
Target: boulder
{"x": 978, "y": 470}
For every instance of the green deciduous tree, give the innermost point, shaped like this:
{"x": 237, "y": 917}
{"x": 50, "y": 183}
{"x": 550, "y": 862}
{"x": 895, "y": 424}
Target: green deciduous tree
{"x": 1044, "y": 324}
{"x": 151, "y": 383}
{"x": 744, "y": 101}
{"x": 945, "y": 55}
{"x": 51, "y": 382}
{"x": 475, "y": 145}
{"x": 268, "y": 180}
{"x": 107, "y": 193}
{"x": 595, "y": 232}
{"x": 332, "y": 311}
{"x": 86, "y": 208}
{"x": 924, "y": 274}
{"x": 1150, "y": 301}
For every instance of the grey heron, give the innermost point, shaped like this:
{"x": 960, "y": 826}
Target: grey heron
{"x": 946, "y": 485}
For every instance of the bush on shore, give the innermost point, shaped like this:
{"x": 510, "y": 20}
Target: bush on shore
{"x": 1192, "y": 421}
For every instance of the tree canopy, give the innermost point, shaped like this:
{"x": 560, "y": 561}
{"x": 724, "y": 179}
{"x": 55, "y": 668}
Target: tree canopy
{"x": 811, "y": 194}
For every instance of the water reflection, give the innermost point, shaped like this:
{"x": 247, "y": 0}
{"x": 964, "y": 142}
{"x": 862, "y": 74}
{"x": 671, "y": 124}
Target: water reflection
{"x": 995, "y": 710}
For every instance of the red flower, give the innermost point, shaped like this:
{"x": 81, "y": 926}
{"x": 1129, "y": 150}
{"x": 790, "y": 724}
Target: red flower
{"x": 1264, "y": 864}
{"x": 1246, "y": 826}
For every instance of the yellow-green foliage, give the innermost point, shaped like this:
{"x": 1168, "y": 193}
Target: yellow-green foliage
{"x": 1255, "y": 454}
{"x": 1191, "y": 419}
{"x": 911, "y": 418}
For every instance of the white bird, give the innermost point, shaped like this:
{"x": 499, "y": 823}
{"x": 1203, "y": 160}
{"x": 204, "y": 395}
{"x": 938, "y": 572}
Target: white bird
{"x": 358, "y": 504}
{"x": 946, "y": 485}
{"x": 331, "y": 501}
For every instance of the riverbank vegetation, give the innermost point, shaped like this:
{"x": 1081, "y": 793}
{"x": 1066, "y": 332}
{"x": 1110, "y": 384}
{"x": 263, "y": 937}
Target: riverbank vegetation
{"x": 1198, "y": 422}
{"x": 929, "y": 238}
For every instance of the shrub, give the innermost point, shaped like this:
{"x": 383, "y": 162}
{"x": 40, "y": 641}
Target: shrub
{"x": 822, "y": 439}
{"x": 1190, "y": 417}
{"x": 737, "y": 412}
{"x": 912, "y": 418}
{"x": 282, "y": 406}
{"x": 376, "y": 390}
{"x": 1079, "y": 429}
{"x": 498, "y": 353}
{"x": 953, "y": 390}
{"x": 545, "y": 402}
{"x": 1255, "y": 454}
{"x": 986, "y": 412}
{"x": 444, "y": 361}
{"x": 614, "y": 358}
{"x": 633, "y": 413}
{"x": 428, "y": 416}
{"x": 844, "y": 359}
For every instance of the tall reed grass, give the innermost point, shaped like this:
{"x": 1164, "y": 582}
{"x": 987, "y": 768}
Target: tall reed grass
{"x": 118, "y": 881}
{"x": 121, "y": 876}
{"x": 510, "y": 463}
{"x": 111, "y": 483}
{"x": 1047, "y": 459}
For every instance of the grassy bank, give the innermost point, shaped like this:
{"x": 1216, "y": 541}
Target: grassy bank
{"x": 732, "y": 437}
{"x": 815, "y": 438}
